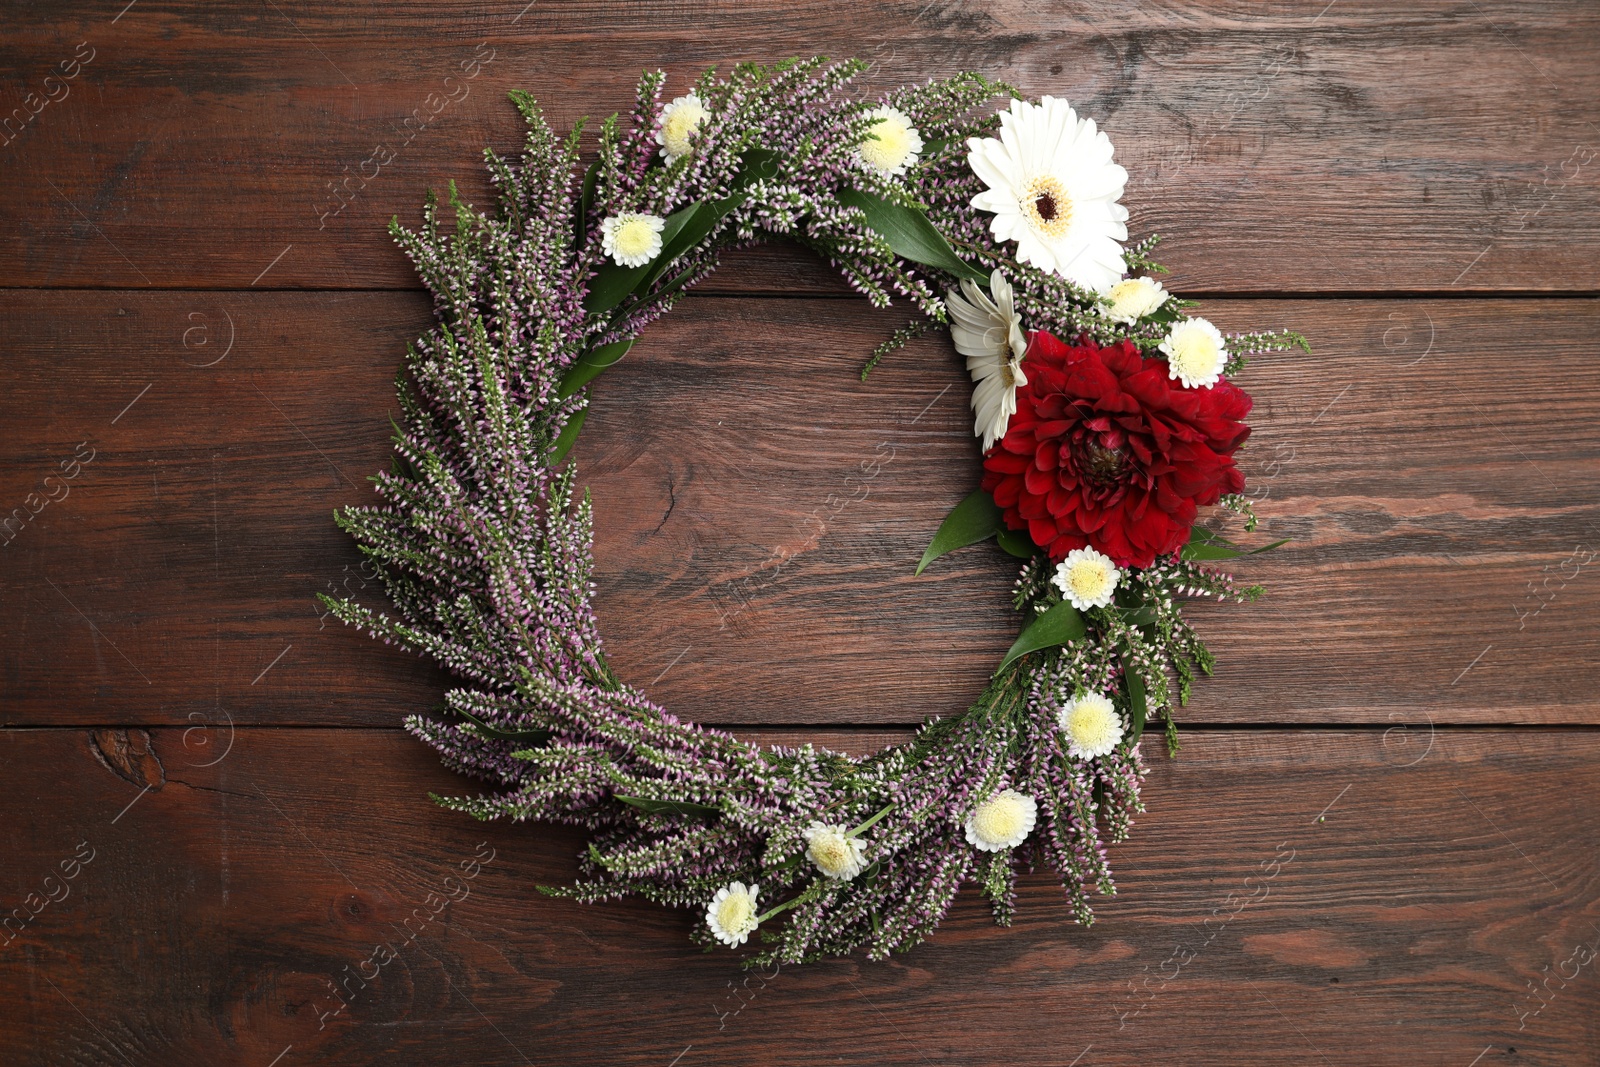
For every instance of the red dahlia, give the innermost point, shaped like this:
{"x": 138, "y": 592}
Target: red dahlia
{"x": 1107, "y": 452}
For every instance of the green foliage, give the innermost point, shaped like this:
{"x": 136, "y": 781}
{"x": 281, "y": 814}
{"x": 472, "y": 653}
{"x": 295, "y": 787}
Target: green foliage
{"x": 975, "y": 519}
{"x": 587, "y": 367}
{"x": 1056, "y": 626}
{"x": 671, "y": 807}
{"x": 909, "y": 234}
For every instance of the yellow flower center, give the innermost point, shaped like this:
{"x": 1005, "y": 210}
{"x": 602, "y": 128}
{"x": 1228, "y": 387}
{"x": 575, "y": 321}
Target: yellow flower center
{"x": 832, "y": 853}
{"x": 1089, "y": 723}
{"x": 1046, "y": 206}
{"x": 887, "y": 144}
{"x": 1126, "y": 292}
{"x": 1089, "y": 579}
{"x": 735, "y": 913}
{"x": 998, "y": 820}
{"x": 1194, "y": 354}
{"x": 635, "y": 237}
{"x": 679, "y": 125}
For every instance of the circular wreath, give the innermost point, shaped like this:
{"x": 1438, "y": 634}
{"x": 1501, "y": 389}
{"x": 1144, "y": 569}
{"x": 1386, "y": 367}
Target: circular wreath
{"x": 1106, "y": 417}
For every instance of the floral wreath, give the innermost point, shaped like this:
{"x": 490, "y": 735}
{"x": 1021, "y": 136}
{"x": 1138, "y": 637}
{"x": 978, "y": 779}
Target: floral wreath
{"x": 1106, "y": 417}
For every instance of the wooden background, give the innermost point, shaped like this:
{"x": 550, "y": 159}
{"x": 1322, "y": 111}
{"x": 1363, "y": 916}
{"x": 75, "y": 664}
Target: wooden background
{"x": 1378, "y": 843}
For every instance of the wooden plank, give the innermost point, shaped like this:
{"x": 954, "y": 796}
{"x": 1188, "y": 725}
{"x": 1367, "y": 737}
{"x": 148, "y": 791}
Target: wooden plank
{"x": 1291, "y": 897}
{"x": 759, "y": 511}
{"x": 1304, "y": 148}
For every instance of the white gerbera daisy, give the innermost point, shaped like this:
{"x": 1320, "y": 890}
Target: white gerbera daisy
{"x": 1195, "y": 353}
{"x": 1087, "y": 578}
{"x": 679, "y": 121}
{"x": 1091, "y": 725}
{"x": 835, "y": 853}
{"x": 1054, "y": 190}
{"x": 989, "y": 333}
{"x": 732, "y": 913}
{"x": 1002, "y": 821}
{"x": 1133, "y": 298}
{"x": 892, "y": 144}
{"x": 632, "y": 239}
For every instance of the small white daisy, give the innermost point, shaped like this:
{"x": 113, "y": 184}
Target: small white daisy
{"x": 1133, "y": 298}
{"x": 892, "y": 144}
{"x": 1091, "y": 726}
{"x": 1195, "y": 353}
{"x": 1054, "y": 191}
{"x": 679, "y": 121}
{"x": 834, "y": 852}
{"x": 632, "y": 239}
{"x": 1087, "y": 578}
{"x": 989, "y": 333}
{"x": 732, "y": 913}
{"x": 1003, "y": 821}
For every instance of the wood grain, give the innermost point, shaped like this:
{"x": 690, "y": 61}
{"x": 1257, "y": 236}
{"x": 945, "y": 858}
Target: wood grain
{"x": 1377, "y": 844}
{"x": 1357, "y": 147}
{"x": 759, "y": 510}
{"x": 1291, "y": 897}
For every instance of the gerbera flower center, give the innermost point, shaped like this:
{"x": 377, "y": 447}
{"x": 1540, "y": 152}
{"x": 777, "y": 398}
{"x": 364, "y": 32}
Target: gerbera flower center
{"x": 1046, "y": 206}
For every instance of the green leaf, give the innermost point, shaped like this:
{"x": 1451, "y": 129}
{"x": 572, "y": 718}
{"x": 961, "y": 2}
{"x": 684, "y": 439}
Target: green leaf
{"x": 910, "y": 235}
{"x": 568, "y": 438}
{"x": 611, "y": 285}
{"x": 613, "y": 282}
{"x": 499, "y": 734}
{"x": 671, "y": 807}
{"x": 703, "y": 217}
{"x": 1226, "y": 550}
{"x": 1199, "y": 535}
{"x": 1166, "y": 313}
{"x": 587, "y": 367}
{"x": 591, "y": 179}
{"x": 969, "y": 522}
{"x": 1016, "y": 543}
{"x": 1140, "y": 616}
{"x": 1057, "y": 626}
{"x": 756, "y": 164}
{"x": 682, "y": 232}
{"x": 1133, "y": 689}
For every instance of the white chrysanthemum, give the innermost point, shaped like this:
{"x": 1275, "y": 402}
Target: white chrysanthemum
{"x": 1133, "y": 298}
{"x": 1091, "y": 725}
{"x": 1002, "y": 821}
{"x": 632, "y": 239}
{"x": 1087, "y": 578}
{"x": 989, "y": 333}
{"x": 732, "y": 913}
{"x": 892, "y": 144}
{"x": 835, "y": 853}
{"x": 1195, "y": 353}
{"x": 1054, "y": 190}
{"x": 679, "y": 122}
